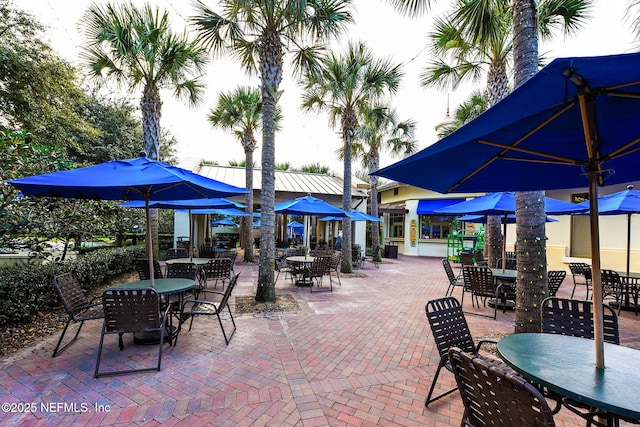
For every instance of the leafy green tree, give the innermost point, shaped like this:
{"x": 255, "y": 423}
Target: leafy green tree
{"x": 259, "y": 34}
{"x": 344, "y": 88}
{"x": 475, "y": 104}
{"x": 136, "y": 47}
{"x": 475, "y": 42}
{"x": 39, "y": 92}
{"x": 240, "y": 111}
{"x": 381, "y": 130}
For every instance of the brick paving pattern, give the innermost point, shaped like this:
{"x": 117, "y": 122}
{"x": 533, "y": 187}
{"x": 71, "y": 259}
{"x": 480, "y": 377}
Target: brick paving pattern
{"x": 359, "y": 356}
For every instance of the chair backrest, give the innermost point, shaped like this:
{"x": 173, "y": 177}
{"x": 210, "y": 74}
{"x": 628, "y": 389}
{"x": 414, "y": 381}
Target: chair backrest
{"x": 481, "y": 282}
{"x": 131, "y": 309}
{"x": 510, "y": 263}
{"x": 448, "y": 325}
{"x": 580, "y": 269}
{"x": 173, "y": 253}
{"x": 183, "y": 270}
{"x": 232, "y": 255}
{"x": 142, "y": 266}
{"x": 466, "y": 258}
{"x": 207, "y": 251}
{"x": 70, "y": 292}
{"x": 320, "y": 266}
{"x": 447, "y": 268}
{"x": 356, "y": 253}
{"x": 575, "y": 317}
{"x": 611, "y": 282}
{"x": 479, "y": 256}
{"x": 494, "y": 394}
{"x": 555, "y": 278}
{"x": 218, "y": 268}
{"x": 227, "y": 293}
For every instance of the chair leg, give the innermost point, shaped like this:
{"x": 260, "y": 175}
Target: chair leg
{"x": 222, "y": 327}
{"x": 429, "y": 400}
{"x": 64, "y": 331}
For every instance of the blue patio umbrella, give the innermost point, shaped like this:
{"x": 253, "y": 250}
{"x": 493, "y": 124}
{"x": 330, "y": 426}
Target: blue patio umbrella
{"x": 482, "y": 219}
{"x": 308, "y": 205}
{"x": 131, "y": 179}
{"x": 220, "y": 211}
{"x": 355, "y": 216}
{"x": 224, "y": 222}
{"x": 503, "y": 204}
{"x": 574, "y": 124}
{"x": 295, "y": 224}
{"x": 626, "y": 202}
{"x": 192, "y": 206}
{"x": 256, "y": 223}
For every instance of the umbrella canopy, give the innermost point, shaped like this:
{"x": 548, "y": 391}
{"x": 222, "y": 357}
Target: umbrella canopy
{"x": 355, "y": 216}
{"x": 571, "y": 125}
{"x": 224, "y": 222}
{"x": 213, "y": 203}
{"x": 131, "y": 179}
{"x": 503, "y": 204}
{"x": 308, "y": 205}
{"x": 482, "y": 219}
{"x": 221, "y": 211}
{"x": 295, "y": 224}
{"x": 626, "y": 202}
{"x": 256, "y": 223}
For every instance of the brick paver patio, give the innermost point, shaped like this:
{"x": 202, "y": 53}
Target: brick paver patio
{"x": 359, "y": 356}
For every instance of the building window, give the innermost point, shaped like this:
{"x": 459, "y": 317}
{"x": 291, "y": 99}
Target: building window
{"x": 579, "y": 197}
{"x": 396, "y": 225}
{"x": 395, "y": 191}
{"x": 435, "y": 226}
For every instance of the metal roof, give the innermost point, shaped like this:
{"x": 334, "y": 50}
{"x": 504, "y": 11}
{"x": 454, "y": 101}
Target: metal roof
{"x": 286, "y": 181}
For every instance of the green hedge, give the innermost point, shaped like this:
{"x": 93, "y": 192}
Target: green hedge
{"x": 27, "y": 290}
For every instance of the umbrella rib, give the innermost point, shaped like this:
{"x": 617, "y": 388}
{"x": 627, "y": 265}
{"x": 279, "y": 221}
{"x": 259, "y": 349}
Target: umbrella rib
{"x": 560, "y": 159}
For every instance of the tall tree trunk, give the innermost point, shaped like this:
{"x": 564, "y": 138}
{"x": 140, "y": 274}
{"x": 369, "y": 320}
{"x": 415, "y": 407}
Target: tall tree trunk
{"x": 151, "y": 107}
{"x": 247, "y": 238}
{"x": 271, "y": 76}
{"x": 349, "y": 122}
{"x": 493, "y": 239}
{"x": 374, "y": 163}
{"x": 531, "y": 249}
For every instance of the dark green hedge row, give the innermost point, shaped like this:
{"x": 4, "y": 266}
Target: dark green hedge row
{"x": 27, "y": 290}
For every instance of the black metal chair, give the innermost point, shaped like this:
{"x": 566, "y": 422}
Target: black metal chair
{"x": 554, "y": 280}
{"x": 282, "y": 266}
{"x": 495, "y": 395}
{"x": 173, "y": 253}
{"x": 320, "y": 267}
{"x": 453, "y": 280}
{"x": 612, "y": 286}
{"x": 198, "y": 307}
{"x": 482, "y": 284}
{"x": 581, "y": 273}
{"x": 79, "y": 308}
{"x": 450, "y": 329}
{"x": 207, "y": 251}
{"x": 142, "y": 266}
{"x": 131, "y": 310}
{"x": 336, "y": 258}
{"x": 575, "y": 318}
{"x": 218, "y": 270}
{"x": 375, "y": 256}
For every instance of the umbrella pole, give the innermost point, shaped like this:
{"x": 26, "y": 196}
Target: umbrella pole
{"x": 596, "y": 273}
{"x": 190, "y": 237}
{"x": 628, "y": 243}
{"x": 149, "y": 243}
{"x": 504, "y": 242}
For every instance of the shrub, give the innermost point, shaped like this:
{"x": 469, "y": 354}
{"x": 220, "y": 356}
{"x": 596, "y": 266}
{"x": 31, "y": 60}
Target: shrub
{"x": 28, "y": 289}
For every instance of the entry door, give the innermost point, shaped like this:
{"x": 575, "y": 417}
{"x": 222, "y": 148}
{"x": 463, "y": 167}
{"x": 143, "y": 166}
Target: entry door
{"x": 580, "y": 236}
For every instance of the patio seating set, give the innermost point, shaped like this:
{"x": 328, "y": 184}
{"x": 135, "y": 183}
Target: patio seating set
{"x": 148, "y": 308}
{"x": 489, "y": 387}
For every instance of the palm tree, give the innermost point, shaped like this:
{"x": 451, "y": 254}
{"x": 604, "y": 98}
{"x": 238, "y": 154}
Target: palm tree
{"x": 475, "y": 104}
{"x": 241, "y": 112}
{"x": 259, "y": 33}
{"x": 380, "y": 131}
{"x": 476, "y": 40}
{"x": 136, "y": 47}
{"x": 345, "y": 87}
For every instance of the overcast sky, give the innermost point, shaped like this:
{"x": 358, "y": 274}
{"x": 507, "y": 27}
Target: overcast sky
{"x": 307, "y": 138}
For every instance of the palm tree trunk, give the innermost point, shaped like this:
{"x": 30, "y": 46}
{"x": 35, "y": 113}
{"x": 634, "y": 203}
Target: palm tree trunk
{"x": 374, "y": 162}
{"x": 271, "y": 76}
{"x": 349, "y": 122}
{"x": 493, "y": 239}
{"x": 247, "y": 238}
{"x": 530, "y": 217}
{"x": 151, "y": 107}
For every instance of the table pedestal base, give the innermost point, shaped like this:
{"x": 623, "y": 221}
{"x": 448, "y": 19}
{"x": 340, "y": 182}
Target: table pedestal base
{"x": 153, "y": 337}
{"x": 510, "y": 304}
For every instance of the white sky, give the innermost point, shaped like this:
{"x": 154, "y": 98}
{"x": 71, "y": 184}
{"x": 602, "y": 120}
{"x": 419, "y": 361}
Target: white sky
{"x": 306, "y": 138}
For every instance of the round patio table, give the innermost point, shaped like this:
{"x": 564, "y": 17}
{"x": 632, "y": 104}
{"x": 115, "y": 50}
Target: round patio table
{"x": 508, "y": 277}
{"x": 197, "y": 261}
{"x": 566, "y": 365}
